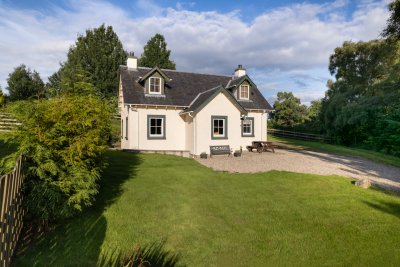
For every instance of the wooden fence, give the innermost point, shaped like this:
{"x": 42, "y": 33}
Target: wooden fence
{"x": 300, "y": 136}
{"x": 11, "y": 213}
{"x": 7, "y": 122}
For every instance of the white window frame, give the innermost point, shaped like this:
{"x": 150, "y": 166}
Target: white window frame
{"x": 156, "y": 136}
{"x": 224, "y": 134}
{"x": 250, "y": 125}
{"x": 248, "y": 91}
{"x": 154, "y": 85}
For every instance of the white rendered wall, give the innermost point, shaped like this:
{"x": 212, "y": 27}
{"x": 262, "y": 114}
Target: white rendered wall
{"x": 194, "y": 135}
{"x": 124, "y": 114}
{"x": 175, "y": 130}
{"x": 260, "y": 126}
{"x": 189, "y": 133}
{"x": 222, "y": 106}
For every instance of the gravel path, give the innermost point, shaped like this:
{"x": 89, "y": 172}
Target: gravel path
{"x": 308, "y": 162}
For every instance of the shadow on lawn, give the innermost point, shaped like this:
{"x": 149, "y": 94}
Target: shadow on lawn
{"x": 78, "y": 241}
{"x": 154, "y": 255}
{"x": 387, "y": 207}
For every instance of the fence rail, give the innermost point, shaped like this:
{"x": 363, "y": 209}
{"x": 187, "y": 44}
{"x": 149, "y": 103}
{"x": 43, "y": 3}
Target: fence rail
{"x": 11, "y": 212}
{"x": 7, "y": 122}
{"x": 300, "y": 136}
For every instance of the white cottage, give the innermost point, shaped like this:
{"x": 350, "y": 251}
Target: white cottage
{"x": 186, "y": 113}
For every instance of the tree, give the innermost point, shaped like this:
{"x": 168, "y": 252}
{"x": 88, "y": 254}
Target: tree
{"x": 364, "y": 95}
{"x": 393, "y": 23}
{"x": 386, "y": 134}
{"x": 361, "y": 64}
{"x": 99, "y": 53}
{"x": 24, "y": 84}
{"x": 1, "y": 97}
{"x": 156, "y": 54}
{"x": 289, "y": 112}
{"x": 53, "y": 86}
{"x": 312, "y": 122}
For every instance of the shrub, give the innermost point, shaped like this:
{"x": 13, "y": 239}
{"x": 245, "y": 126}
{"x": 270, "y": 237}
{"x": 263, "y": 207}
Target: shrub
{"x": 63, "y": 140}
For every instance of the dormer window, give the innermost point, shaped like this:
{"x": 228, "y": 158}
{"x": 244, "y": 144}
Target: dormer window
{"x": 244, "y": 92}
{"x": 155, "y": 85}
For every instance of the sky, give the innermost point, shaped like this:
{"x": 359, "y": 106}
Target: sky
{"x": 284, "y": 45}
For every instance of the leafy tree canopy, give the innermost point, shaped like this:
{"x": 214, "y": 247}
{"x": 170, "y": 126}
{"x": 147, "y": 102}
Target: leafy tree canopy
{"x": 364, "y": 95}
{"x": 98, "y": 53}
{"x": 156, "y": 54}
{"x": 289, "y": 112}
{"x": 24, "y": 84}
{"x": 361, "y": 63}
{"x": 1, "y": 97}
{"x": 392, "y": 29}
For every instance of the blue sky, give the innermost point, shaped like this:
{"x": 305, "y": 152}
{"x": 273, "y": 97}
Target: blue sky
{"x": 285, "y": 45}
{"x": 249, "y": 9}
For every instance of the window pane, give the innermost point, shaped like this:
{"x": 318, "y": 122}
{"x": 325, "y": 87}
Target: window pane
{"x": 247, "y": 126}
{"x": 244, "y": 91}
{"x": 155, "y": 85}
{"x": 156, "y": 126}
{"x": 218, "y": 127}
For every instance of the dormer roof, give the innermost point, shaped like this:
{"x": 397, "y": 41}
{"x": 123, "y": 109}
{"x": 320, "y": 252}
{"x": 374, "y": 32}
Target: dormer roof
{"x": 151, "y": 72}
{"x": 238, "y": 81}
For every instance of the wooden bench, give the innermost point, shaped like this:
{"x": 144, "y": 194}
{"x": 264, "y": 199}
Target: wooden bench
{"x": 261, "y": 146}
{"x": 220, "y": 150}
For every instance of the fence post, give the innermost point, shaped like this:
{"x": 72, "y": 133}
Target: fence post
{"x": 11, "y": 212}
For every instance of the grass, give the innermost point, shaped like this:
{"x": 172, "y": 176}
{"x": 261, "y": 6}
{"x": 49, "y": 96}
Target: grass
{"x": 211, "y": 218}
{"x": 316, "y": 146}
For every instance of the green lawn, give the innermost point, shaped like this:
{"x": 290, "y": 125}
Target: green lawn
{"x": 368, "y": 154}
{"x": 219, "y": 219}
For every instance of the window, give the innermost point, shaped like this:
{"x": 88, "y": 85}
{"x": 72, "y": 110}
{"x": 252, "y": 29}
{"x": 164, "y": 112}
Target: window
{"x": 219, "y": 127}
{"x": 126, "y": 128}
{"x": 248, "y": 127}
{"x": 122, "y": 128}
{"x": 155, "y": 85}
{"x": 244, "y": 92}
{"x": 156, "y": 127}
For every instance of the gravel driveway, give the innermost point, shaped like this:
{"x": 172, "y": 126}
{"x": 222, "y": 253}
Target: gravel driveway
{"x": 308, "y": 162}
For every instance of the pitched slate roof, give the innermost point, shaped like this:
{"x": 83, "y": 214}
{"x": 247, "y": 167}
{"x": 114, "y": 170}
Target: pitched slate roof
{"x": 181, "y": 89}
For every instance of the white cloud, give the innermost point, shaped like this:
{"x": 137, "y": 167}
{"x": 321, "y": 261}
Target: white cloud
{"x": 184, "y": 5}
{"x": 281, "y": 41}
